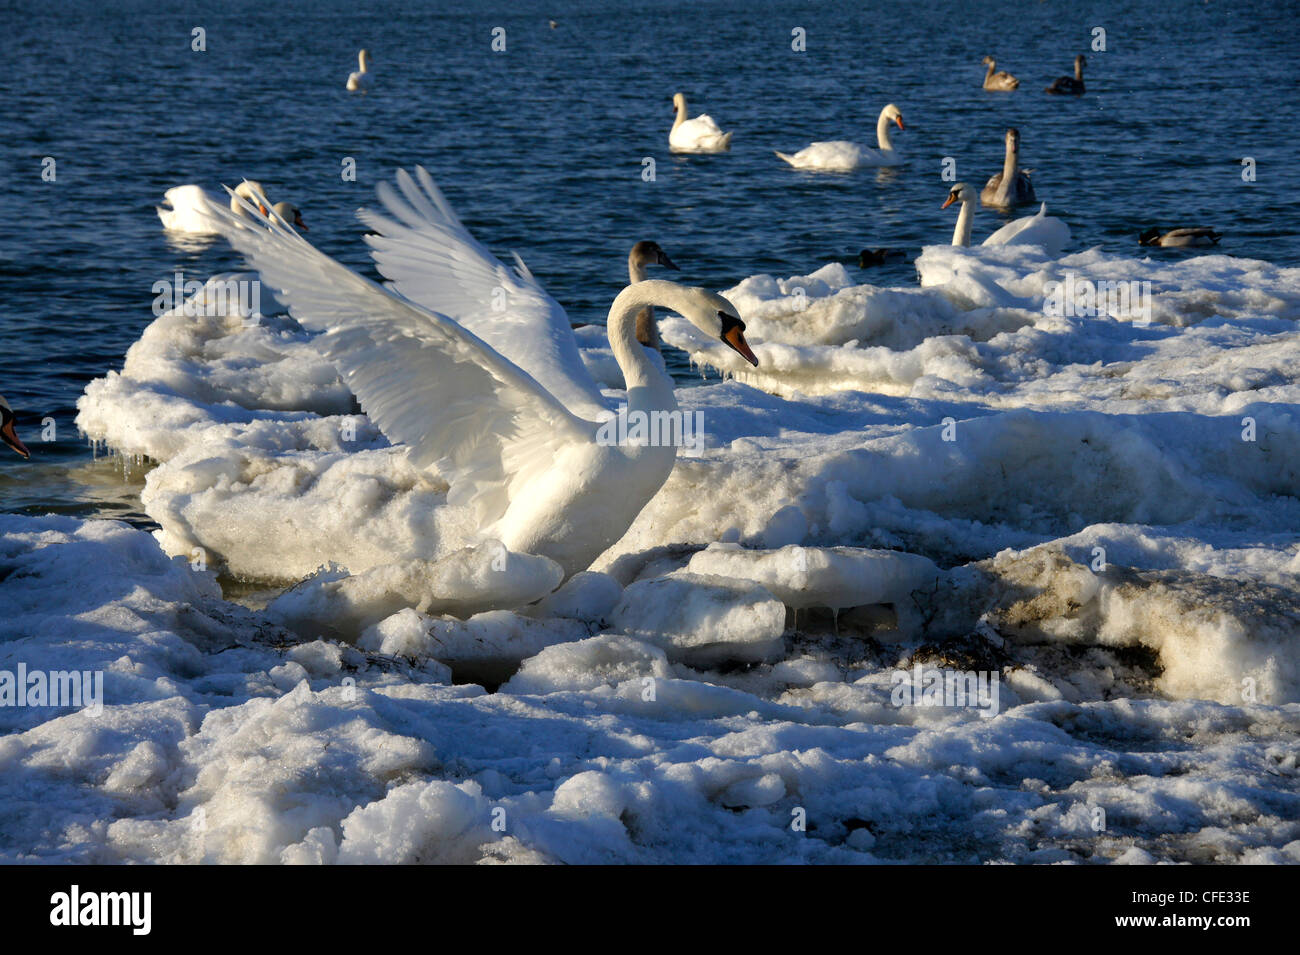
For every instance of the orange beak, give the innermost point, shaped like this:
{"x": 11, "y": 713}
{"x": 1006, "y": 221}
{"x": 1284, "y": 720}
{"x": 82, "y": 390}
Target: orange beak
{"x": 899, "y": 121}
{"x": 262, "y": 209}
{"x": 952, "y": 197}
{"x": 10, "y": 437}
{"x": 736, "y": 339}
{"x": 298, "y": 223}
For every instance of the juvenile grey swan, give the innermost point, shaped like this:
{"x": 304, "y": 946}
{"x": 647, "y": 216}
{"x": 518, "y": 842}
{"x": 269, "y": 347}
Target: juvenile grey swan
{"x": 646, "y": 253}
{"x": 1071, "y": 85}
{"x": 1001, "y": 81}
{"x": 1010, "y": 187}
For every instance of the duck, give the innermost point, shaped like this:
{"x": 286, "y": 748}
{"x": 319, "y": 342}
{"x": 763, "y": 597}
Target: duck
{"x": 359, "y": 80}
{"x": 1071, "y": 85}
{"x": 1001, "y": 81}
{"x": 871, "y": 257}
{"x": 643, "y": 254}
{"x": 843, "y": 156}
{"x": 698, "y": 135}
{"x": 7, "y": 433}
{"x": 1176, "y": 238}
{"x": 1043, "y": 230}
{"x": 1010, "y": 187}
{"x": 536, "y": 475}
{"x": 187, "y": 208}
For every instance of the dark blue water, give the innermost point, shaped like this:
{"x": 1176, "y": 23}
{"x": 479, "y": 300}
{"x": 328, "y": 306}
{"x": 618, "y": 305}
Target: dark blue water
{"x": 540, "y": 148}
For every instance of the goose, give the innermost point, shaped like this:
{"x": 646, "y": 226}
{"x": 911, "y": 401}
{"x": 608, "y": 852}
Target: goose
{"x": 360, "y": 79}
{"x": 187, "y": 207}
{"x": 1071, "y": 85}
{"x": 1001, "y": 81}
{"x": 7, "y": 433}
{"x": 698, "y": 135}
{"x": 1010, "y": 187}
{"x": 841, "y": 156}
{"x": 642, "y": 255}
{"x": 538, "y": 476}
{"x": 1193, "y": 235}
{"x": 1041, "y": 229}
{"x": 290, "y": 213}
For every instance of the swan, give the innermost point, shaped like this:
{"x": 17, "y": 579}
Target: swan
{"x": 1001, "y": 81}
{"x": 188, "y": 207}
{"x": 1043, "y": 230}
{"x": 698, "y": 135}
{"x": 1010, "y": 187}
{"x": 7, "y": 433}
{"x": 290, "y": 213}
{"x": 1072, "y": 85}
{"x": 841, "y": 156}
{"x": 643, "y": 254}
{"x": 360, "y": 79}
{"x": 539, "y": 476}
{"x": 1193, "y": 235}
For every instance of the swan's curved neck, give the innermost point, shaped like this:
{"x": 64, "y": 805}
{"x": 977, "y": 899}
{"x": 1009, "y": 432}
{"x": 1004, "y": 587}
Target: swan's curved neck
{"x": 989, "y": 75}
{"x": 681, "y": 113}
{"x": 1078, "y": 71}
{"x": 961, "y": 235}
{"x": 648, "y": 386}
{"x": 647, "y": 329}
{"x": 882, "y": 134}
{"x": 1010, "y": 164}
{"x": 363, "y": 61}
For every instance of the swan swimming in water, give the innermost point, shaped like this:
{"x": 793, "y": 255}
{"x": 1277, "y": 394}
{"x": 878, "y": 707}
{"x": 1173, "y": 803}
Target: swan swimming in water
{"x": 7, "y": 433}
{"x": 1071, "y": 85}
{"x": 187, "y": 207}
{"x": 1001, "y": 81}
{"x": 843, "y": 156}
{"x": 1043, "y": 230}
{"x": 1010, "y": 187}
{"x": 531, "y": 465}
{"x": 698, "y": 135}
{"x": 359, "y": 80}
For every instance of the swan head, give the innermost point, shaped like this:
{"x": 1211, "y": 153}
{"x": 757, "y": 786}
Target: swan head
{"x": 7, "y": 433}
{"x": 988, "y": 61}
{"x": 716, "y": 317}
{"x": 1013, "y": 139}
{"x": 252, "y": 192}
{"x": 289, "y": 213}
{"x": 363, "y": 58}
{"x": 1080, "y": 61}
{"x": 649, "y": 253}
{"x": 679, "y": 102}
{"x": 892, "y": 114}
{"x": 960, "y": 192}
{"x": 1149, "y": 236}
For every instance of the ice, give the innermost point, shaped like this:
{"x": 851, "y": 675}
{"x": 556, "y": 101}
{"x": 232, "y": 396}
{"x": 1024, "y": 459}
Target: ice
{"x": 1099, "y": 510}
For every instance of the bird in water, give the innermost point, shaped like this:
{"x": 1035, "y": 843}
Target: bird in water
{"x": 1175, "y": 238}
{"x": 871, "y": 257}
{"x": 7, "y": 433}
{"x": 1071, "y": 85}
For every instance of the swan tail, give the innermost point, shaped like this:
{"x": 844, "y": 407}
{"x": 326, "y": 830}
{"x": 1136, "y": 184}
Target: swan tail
{"x": 789, "y": 159}
{"x": 725, "y": 141}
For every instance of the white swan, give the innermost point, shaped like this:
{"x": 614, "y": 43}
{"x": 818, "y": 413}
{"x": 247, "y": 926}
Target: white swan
{"x": 1043, "y": 230}
{"x": 538, "y": 476}
{"x": 1011, "y": 186}
{"x": 188, "y": 208}
{"x": 7, "y": 433}
{"x": 290, "y": 213}
{"x": 360, "y": 79}
{"x": 842, "y": 156}
{"x": 698, "y": 135}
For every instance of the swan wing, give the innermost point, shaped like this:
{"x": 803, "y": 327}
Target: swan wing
{"x": 1040, "y": 229}
{"x": 486, "y": 425}
{"x": 430, "y": 258}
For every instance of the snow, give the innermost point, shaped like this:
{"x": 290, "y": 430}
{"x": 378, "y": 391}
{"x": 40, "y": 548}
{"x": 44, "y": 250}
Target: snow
{"x": 1097, "y": 510}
